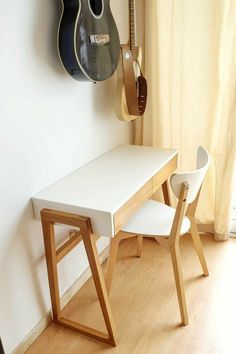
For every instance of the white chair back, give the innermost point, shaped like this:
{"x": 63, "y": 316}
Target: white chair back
{"x": 193, "y": 178}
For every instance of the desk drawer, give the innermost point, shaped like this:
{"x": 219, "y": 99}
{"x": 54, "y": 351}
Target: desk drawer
{"x": 164, "y": 174}
{"x": 123, "y": 214}
{"x": 146, "y": 192}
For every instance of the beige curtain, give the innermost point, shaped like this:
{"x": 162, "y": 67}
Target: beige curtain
{"x": 190, "y": 66}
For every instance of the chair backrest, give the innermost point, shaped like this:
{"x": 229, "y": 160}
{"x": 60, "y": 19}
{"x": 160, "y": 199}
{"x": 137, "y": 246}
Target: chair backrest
{"x": 193, "y": 178}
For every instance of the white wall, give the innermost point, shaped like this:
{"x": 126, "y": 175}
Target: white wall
{"x": 50, "y": 125}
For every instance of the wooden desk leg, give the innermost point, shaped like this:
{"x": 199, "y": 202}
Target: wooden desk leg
{"x": 96, "y": 270}
{"x": 166, "y": 194}
{"x": 50, "y": 253}
{"x": 114, "y": 246}
{"x": 111, "y": 262}
{"x": 49, "y": 217}
{"x": 139, "y": 246}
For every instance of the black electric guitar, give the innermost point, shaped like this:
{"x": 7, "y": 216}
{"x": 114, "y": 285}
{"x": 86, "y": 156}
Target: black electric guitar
{"x": 88, "y": 40}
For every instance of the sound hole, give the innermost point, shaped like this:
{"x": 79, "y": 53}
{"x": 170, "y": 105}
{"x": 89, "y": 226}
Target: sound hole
{"x": 96, "y": 7}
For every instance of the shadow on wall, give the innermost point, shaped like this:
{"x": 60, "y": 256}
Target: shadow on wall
{"x": 47, "y": 17}
{"x": 19, "y": 258}
{"x": 1, "y": 347}
{"x": 25, "y": 297}
{"x": 46, "y": 22}
{"x": 104, "y": 98}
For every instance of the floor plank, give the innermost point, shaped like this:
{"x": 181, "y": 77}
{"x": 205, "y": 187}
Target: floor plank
{"x": 145, "y": 306}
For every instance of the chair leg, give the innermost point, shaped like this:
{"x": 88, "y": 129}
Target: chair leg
{"x": 166, "y": 194}
{"x": 114, "y": 245}
{"x": 139, "y": 246}
{"x": 198, "y": 246}
{"x": 175, "y": 256}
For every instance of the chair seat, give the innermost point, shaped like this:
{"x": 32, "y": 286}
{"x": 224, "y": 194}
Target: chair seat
{"x": 154, "y": 219}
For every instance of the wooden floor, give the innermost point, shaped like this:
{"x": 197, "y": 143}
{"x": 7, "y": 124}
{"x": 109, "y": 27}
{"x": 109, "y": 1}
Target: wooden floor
{"x": 144, "y": 303}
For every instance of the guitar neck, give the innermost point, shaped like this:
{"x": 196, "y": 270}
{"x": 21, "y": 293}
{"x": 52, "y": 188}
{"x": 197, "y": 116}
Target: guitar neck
{"x": 132, "y": 26}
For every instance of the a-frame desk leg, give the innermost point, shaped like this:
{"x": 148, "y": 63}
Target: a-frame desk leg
{"x": 53, "y": 256}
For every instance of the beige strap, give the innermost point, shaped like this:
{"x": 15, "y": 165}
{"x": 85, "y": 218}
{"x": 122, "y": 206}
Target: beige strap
{"x": 130, "y": 81}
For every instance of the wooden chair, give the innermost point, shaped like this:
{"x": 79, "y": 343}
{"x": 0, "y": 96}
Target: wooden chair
{"x": 154, "y": 219}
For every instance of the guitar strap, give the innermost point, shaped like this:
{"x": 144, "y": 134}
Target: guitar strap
{"x": 130, "y": 81}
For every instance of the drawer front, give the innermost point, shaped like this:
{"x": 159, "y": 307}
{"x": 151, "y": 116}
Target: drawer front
{"x": 164, "y": 174}
{"x": 146, "y": 192}
{"x": 122, "y": 215}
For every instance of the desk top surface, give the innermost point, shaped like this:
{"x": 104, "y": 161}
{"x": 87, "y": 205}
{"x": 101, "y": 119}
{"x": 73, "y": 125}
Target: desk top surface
{"x": 105, "y": 183}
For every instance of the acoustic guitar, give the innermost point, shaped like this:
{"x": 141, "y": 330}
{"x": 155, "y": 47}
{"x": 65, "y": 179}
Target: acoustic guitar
{"x": 131, "y": 84}
{"x": 88, "y": 39}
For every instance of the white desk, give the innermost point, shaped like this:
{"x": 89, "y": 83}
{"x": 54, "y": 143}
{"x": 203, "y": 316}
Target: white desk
{"x": 101, "y": 189}
{"x": 105, "y": 192}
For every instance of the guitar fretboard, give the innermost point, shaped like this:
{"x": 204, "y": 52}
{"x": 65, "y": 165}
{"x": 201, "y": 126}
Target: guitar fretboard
{"x": 132, "y": 26}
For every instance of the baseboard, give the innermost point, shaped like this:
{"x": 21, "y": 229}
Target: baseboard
{"x": 232, "y": 235}
{"x": 206, "y": 228}
{"x": 47, "y": 319}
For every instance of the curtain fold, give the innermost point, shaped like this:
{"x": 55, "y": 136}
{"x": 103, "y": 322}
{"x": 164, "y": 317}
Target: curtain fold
{"x": 190, "y": 66}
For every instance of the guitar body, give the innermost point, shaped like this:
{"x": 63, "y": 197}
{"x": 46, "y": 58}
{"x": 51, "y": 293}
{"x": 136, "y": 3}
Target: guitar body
{"x": 121, "y": 107}
{"x": 88, "y": 39}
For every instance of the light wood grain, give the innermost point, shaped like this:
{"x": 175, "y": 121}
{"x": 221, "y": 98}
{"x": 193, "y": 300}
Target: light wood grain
{"x": 198, "y": 247}
{"x": 140, "y": 225}
{"x": 164, "y": 174}
{"x": 49, "y": 218}
{"x": 91, "y": 250}
{"x": 166, "y": 193}
{"x": 122, "y": 215}
{"x": 88, "y": 331}
{"x": 121, "y": 107}
{"x": 175, "y": 253}
{"x": 113, "y": 251}
{"x": 60, "y": 217}
{"x": 144, "y": 303}
{"x": 75, "y": 237}
{"x": 195, "y": 234}
{"x": 139, "y": 245}
{"x": 112, "y": 180}
{"x": 51, "y": 260}
{"x": 73, "y": 241}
